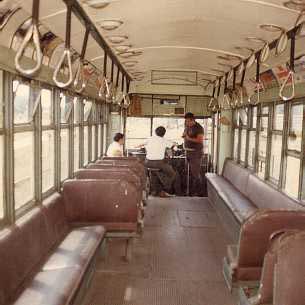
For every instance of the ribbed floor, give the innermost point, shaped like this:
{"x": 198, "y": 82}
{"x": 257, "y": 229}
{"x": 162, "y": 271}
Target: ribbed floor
{"x": 176, "y": 262}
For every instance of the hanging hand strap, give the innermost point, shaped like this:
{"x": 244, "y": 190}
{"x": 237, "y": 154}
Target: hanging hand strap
{"x": 291, "y": 73}
{"x": 32, "y": 34}
{"x": 66, "y": 56}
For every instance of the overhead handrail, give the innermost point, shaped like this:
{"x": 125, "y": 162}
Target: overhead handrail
{"x": 80, "y": 80}
{"x": 31, "y": 34}
{"x": 258, "y": 84}
{"x": 66, "y": 54}
{"x": 291, "y": 73}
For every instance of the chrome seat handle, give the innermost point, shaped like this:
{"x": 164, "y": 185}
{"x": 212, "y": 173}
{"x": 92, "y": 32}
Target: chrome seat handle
{"x": 31, "y": 34}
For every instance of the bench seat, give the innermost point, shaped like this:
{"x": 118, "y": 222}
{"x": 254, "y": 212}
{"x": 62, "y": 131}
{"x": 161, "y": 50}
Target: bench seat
{"x": 60, "y": 277}
{"x": 239, "y": 205}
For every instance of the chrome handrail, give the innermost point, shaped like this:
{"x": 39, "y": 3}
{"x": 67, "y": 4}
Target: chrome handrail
{"x": 31, "y": 34}
{"x": 257, "y": 93}
{"x": 79, "y": 79}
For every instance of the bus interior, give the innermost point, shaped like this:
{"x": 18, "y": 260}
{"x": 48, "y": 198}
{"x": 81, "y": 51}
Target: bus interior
{"x": 152, "y": 153}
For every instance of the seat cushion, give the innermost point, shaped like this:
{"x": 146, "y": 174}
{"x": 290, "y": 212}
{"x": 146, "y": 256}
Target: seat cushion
{"x": 77, "y": 249}
{"x": 59, "y": 278}
{"x": 240, "y": 206}
{"x": 52, "y": 287}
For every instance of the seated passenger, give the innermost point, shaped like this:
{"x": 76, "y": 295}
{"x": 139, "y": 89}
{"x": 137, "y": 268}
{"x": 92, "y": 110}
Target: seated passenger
{"x": 116, "y": 149}
{"x": 155, "y": 158}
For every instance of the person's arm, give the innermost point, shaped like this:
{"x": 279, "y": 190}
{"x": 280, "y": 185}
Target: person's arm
{"x": 197, "y": 139}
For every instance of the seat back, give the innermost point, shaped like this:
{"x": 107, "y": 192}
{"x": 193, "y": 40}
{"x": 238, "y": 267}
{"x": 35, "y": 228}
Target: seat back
{"x": 119, "y": 168}
{"x": 237, "y": 175}
{"x": 257, "y": 229}
{"x": 289, "y": 281}
{"x": 109, "y": 202}
{"x": 266, "y": 197}
{"x": 109, "y": 173}
{"x": 26, "y": 244}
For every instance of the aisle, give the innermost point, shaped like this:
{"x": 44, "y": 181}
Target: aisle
{"x": 176, "y": 262}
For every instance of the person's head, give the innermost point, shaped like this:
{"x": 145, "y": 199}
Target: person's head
{"x": 189, "y": 119}
{"x": 119, "y": 137}
{"x": 160, "y": 131}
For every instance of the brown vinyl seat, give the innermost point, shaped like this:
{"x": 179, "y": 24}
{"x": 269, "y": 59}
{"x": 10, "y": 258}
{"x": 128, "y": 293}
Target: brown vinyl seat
{"x": 110, "y": 202}
{"x": 244, "y": 263}
{"x": 283, "y": 273}
{"x": 44, "y": 257}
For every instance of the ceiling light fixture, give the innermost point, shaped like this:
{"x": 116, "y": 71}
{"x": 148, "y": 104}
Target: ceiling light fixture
{"x": 98, "y": 4}
{"x": 110, "y": 24}
{"x": 117, "y": 39}
{"x": 122, "y": 48}
{"x": 130, "y": 63}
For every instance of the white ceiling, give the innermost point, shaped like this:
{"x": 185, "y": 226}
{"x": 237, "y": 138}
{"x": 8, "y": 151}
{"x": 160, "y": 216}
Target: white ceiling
{"x": 175, "y": 34}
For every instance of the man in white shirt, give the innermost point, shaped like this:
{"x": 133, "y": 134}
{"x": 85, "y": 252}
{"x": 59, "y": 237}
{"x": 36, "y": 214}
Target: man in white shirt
{"x": 115, "y": 149}
{"x": 155, "y": 158}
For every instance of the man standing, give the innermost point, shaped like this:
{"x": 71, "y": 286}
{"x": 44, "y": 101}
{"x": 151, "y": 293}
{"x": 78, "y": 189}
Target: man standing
{"x": 193, "y": 143}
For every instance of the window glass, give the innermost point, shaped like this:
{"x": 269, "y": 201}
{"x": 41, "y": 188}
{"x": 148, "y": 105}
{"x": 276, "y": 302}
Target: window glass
{"x": 262, "y": 146}
{"x": 99, "y": 141}
{"x": 215, "y": 138}
{"x": 64, "y": 156}
{"x": 46, "y": 107}
{"x": 235, "y": 149}
{"x": 87, "y": 110}
{"x": 86, "y": 144}
{"x": 174, "y": 128}
{"x": 251, "y": 155}
{"x": 1, "y": 178}
{"x": 76, "y": 104}
{"x": 265, "y": 110}
{"x": 76, "y": 148}
{"x": 24, "y": 168}
{"x": 65, "y": 108}
{"x": 278, "y": 121}
{"x": 243, "y": 145}
{"x": 243, "y": 114}
{"x": 292, "y": 176}
{"x": 275, "y": 156}
{"x": 104, "y": 138}
{"x": 48, "y": 159}
{"x": 295, "y": 130}
{"x": 93, "y": 143}
{"x": 254, "y": 117}
{"x": 22, "y": 113}
{"x": 137, "y": 130}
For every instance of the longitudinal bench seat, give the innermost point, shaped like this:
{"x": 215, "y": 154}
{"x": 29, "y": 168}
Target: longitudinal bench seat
{"x": 44, "y": 259}
{"x": 237, "y": 194}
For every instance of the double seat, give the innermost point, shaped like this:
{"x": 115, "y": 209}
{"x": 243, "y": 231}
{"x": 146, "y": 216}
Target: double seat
{"x": 45, "y": 258}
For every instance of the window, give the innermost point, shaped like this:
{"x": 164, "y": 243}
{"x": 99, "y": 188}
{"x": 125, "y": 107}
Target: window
{"x": 86, "y": 145}
{"x": 295, "y": 128}
{"x": 46, "y": 107}
{"x": 243, "y": 142}
{"x": 93, "y": 143}
{"x": 235, "y": 147}
{"x": 22, "y": 111}
{"x": 1, "y": 177}
{"x": 48, "y": 141}
{"x": 99, "y": 147}
{"x": 292, "y": 176}
{"x": 87, "y": 110}
{"x": 137, "y": 131}
{"x": 262, "y": 146}
{"x": 48, "y": 159}
{"x": 276, "y": 143}
{"x": 64, "y": 156}
{"x": 24, "y": 168}
{"x": 252, "y": 147}
{"x": 174, "y": 128}
{"x": 76, "y": 148}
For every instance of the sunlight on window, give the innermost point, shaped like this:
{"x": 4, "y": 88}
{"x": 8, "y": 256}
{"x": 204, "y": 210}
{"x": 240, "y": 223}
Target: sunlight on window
{"x": 243, "y": 145}
{"x": 64, "y": 157}
{"x": 22, "y": 112}
{"x": 46, "y": 107}
{"x": 1, "y": 178}
{"x": 275, "y": 156}
{"x": 292, "y": 176}
{"x": 251, "y": 154}
{"x": 48, "y": 159}
{"x": 76, "y": 148}
{"x": 86, "y": 144}
{"x": 24, "y": 168}
{"x": 295, "y": 130}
